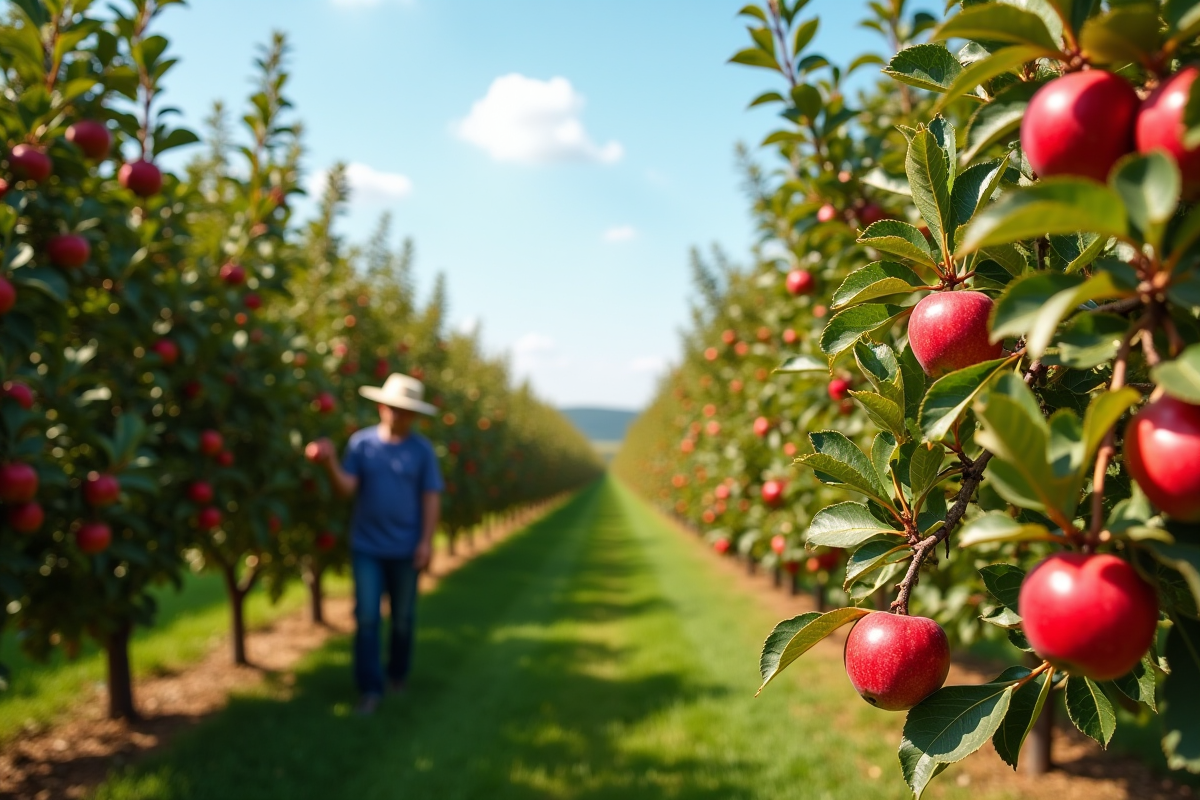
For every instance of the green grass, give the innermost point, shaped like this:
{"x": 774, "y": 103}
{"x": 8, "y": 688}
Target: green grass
{"x": 190, "y": 622}
{"x": 594, "y": 655}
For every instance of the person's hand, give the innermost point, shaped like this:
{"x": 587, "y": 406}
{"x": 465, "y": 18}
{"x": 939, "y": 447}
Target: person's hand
{"x": 422, "y": 556}
{"x": 320, "y": 451}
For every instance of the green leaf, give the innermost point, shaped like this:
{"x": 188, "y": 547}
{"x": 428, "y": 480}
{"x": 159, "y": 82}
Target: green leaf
{"x": 1003, "y": 582}
{"x": 844, "y": 328}
{"x": 1052, "y": 205}
{"x": 1183, "y": 558}
{"x": 1080, "y": 249}
{"x": 899, "y": 239}
{"x": 47, "y": 280}
{"x": 176, "y": 138}
{"x": 838, "y": 460}
{"x": 925, "y": 66}
{"x": 1126, "y": 34}
{"x": 875, "y": 281}
{"x": 1181, "y": 696}
{"x": 947, "y": 400}
{"x": 879, "y": 363}
{"x": 794, "y": 637}
{"x": 846, "y": 525}
{"x": 1034, "y": 306}
{"x": 930, "y": 168}
{"x": 754, "y": 57}
{"x": 1023, "y": 710}
{"x": 805, "y": 32}
{"x": 1102, "y": 413}
{"x": 948, "y": 726}
{"x": 1004, "y": 60}
{"x": 974, "y": 187}
{"x": 803, "y": 363}
{"x": 923, "y": 469}
{"x": 874, "y": 553}
{"x": 1149, "y": 185}
{"x": 1139, "y": 685}
{"x": 996, "y": 526}
{"x": 885, "y": 413}
{"x": 998, "y": 120}
{"x": 766, "y": 97}
{"x": 883, "y": 450}
{"x": 1089, "y": 340}
{"x": 1180, "y": 378}
{"x": 1089, "y": 709}
{"x": 998, "y": 22}
{"x": 915, "y": 381}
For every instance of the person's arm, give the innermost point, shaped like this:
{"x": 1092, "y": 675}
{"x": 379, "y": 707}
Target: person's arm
{"x": 431, "y": 515}
{"x": 323, "y": 452}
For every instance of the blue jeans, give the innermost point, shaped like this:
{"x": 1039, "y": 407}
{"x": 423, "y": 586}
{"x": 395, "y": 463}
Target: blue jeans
{"x": 372, "y": 577}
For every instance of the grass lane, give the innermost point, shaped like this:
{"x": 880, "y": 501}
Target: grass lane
{"x": 595, "y": 655}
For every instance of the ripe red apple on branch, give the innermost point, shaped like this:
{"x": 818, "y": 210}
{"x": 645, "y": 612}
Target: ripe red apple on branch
{"x": 1160, "y": 125}
{"x": 325, "y": 541}
{"x": 30, "y": 163}
{"x": 827, "y": 213}
{"x": 895, "y": 661}
{"x": 839, "y": 389}
{"x": 1080, "y": 124}
{"x": 26, "y": 517}
{"x": 233, "y": 274}
{"x": 200, "y": 493}
{"x": 18, "y": 483}
{"x": 19, "y": 392}
{"x": 93, "y": 537}
{"x": 167, "y": 351}
{"x": 211, "y": 442}
{"x": 1162, "y": 452}
{"x": 778, "y": 544}
{"x": 721, "y": 545}
{"x": 140, "y": 177}
{"x": 208, "y": 518}
{"x": 101, "y": 490}
{"x": 948, "y": 331}
{"x": 69, "y": 251}
{"x": 772, "y": 492}
{"x": 1090, "y": 615}
{"x": 762, "y": 426}
{"x": 800, "y": 281}
{"x": 8, "y": 296}
{"x": 92, "y": 137}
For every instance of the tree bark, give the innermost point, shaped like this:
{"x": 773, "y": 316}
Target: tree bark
{"x": 120, "y": 677}
{"x": 237, "y": 609}
{"x": 313, "y": 576}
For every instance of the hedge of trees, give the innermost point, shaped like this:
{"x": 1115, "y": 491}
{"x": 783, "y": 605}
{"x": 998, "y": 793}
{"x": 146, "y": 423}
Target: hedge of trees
{"x": 959, "y": 375}
{"x": 170, "y": 342}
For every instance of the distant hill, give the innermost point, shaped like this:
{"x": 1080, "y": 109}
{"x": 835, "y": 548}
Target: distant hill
{"x": 601, "y": 424}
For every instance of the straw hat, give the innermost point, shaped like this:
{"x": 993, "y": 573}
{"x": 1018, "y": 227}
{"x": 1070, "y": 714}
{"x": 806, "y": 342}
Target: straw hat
{"x": 400, "y": 391}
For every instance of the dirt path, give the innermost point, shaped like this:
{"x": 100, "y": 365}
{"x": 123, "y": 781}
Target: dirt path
{"x": 1083, "y": 771}
{"x": 67, "y": 759}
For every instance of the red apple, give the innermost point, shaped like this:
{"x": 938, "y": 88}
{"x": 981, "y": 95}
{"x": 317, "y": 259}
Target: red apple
{"x": 101, "y": 490}
{"x": 274, "y": 523}
{"x": 19, "y": 392}
{"x": 762, "y": 426}
{"x": 208, "y": 518}
{"x": 826, "y": 213}
{"x": 869, "y": 214}
{"x": 1160, "y": 125}
{"x": 69, "y": 251}
{"x": 948, "y": 331}
{"x": 895, "y": 661}
{"x": 721, "y": 545}
{"x": 790, "y": 336}
{"x": 1079, "y": 124}
{"x": 721, "y": 492}
{"x": 1090, "y": 615}
{"x": 687, "y": 446}
{"x": 729, "y": 337}
{"x": 779, "y": 543}
{"x": 141, "y": 177}
{"x": 772, "y": 492}
{"x": 325, "y": 403}
{"x": 252, "y": 301}
{"x": 325, "y": 541}
{"x": 8, "y": 296}
{"x": 800, "y": 281}
{"x": 211, "y": 442}
{"x": 92, "y": 137}
{"x": 1162, "y": 451}
{"x": 813, "y": 564}
{"x": 167, "y": 350}
{"x": 711, "y": 354}
{"x": 200, "y": 493}
{"x": 225, "y": 458}
{"x": 233, "y": 274}
{"x": 30, "y": 163}
{"x": 26, "y": 517}
{"x": 839, "y": 389}
{"x": 791, "y": 567}
{"x": 93, "y": 537}
{"x": 3, "y": 187}
{"x": 18, "y": 483}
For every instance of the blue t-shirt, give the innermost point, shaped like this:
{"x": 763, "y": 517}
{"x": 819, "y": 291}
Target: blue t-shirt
{"x": 392, "y": 479}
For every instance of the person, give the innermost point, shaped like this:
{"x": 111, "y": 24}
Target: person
{"x": 393, "y": 475}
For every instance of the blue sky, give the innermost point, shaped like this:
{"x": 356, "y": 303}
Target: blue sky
{"x": 555, "y": 158}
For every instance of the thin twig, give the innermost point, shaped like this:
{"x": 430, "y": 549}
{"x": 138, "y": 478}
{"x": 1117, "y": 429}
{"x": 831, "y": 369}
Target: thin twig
{"x": 1108, "y": 446}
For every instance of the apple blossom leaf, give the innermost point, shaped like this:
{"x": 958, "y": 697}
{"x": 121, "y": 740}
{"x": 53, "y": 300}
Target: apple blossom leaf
{"x": 948, "y": 726}
{"x": 1023, "y": 710}
{"x": 993, "y": 122}
{"x": 883, "y": 450}
{"x": 846, "y": 525}
{"x": 1181, "y": 696}
{"x": 1052, "y": 205}
{"x": 875, "y": 281}
{"x": 875, "y": 552}
{"x": 1003, "y": 582}
{"x": 947, "y": 400}
{"x": 1102, "y": 413}
{"x": 843, "y": 330}
{"x": 1128, "y": 33}
{"x": 915, "y": 382}
{"x": 1182, "y": 558}
{"x": 1139, "y": 685}
{"x": 885, "y": 413}
{"x": 975, "y": 186}
{"x": 1090, "y": 709}
{"x": 838, "y": 461}
{"x": 794, "y": 637}
{"x": 925, "y": 66}
{"x": 879, "y": 363}
{"x": 1034, "y": 306}
{"x": 803, "y": 363}
{"x": 1088, "y": 340}
{"x": 929, "y": 165}
{"x": 998, "y": 22}
{"x": 996, "y": 526}
{"x": 1180, "y": 378}
{"x": 899, "y": 239}
{"x": 1149, "y": 184}
{"x": 1004, "y": 60}
{"x": 923, "y": 469}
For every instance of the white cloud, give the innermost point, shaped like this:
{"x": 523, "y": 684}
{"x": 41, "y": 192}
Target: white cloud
{"x": 535, "y": 354}
{"x": 648, "y": 364}
{"x": 620, "y": 233}
{"x": 533, "y": 344}
{"x": 529, "y": 121}
{"x": 468, "y": 326}
{"x": 367, "y": 184}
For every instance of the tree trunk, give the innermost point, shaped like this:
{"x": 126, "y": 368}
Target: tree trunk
{"x": 795, "y": 587}
{"x": 120, "y": 678}
{"x": 1036, "y": 755}
{"x": 777, "y": 576}
{"x": 237, "y": 610}
{"x": 312, "y": 576}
